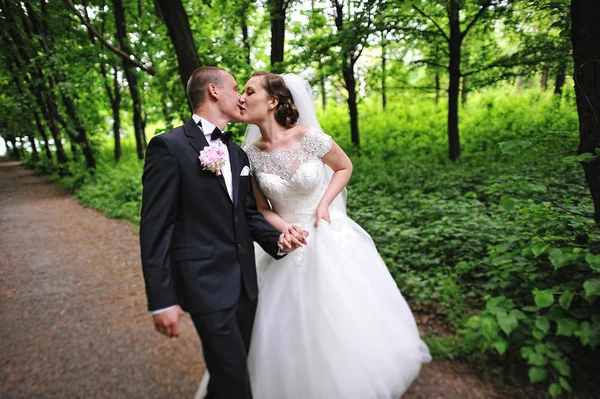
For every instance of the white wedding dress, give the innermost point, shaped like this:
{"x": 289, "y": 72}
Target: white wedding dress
{"x": 331, "y": 322}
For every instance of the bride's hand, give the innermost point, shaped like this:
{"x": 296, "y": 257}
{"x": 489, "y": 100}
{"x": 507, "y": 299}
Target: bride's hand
{"x": 322, "y": 213}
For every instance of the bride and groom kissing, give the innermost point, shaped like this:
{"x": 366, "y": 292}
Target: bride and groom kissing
{"x": 329, "y": 321}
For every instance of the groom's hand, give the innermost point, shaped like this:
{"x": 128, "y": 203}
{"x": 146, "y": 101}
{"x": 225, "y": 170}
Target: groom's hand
{"x": 167, "y": 322}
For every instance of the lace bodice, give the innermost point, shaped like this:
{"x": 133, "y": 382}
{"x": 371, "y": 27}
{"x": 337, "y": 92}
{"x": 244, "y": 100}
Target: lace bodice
{"x": 293, "y": 180}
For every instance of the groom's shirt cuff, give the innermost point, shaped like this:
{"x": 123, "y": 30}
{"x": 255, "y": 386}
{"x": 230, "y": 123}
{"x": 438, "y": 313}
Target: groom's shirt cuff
{"x": 155, "y": 312}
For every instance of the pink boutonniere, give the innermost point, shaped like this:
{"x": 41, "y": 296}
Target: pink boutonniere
{"x": 213, "y": 159}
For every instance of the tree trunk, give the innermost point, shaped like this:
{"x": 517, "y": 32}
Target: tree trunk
{"x": 34, "y": 113}
{"x": 350, "y": 81}
{"x": 245, "y": 37}
{"x": 585, "y": 36}
{"x": 437, "y": 87}
{"x": 383, "y": 73}
{"x": 277, "y": 9}
{"x": 132, "y": 79}
{"x": 323, "y": 92}
{"x": 545, "y": 73}
{"x": 348, "y": 61}
{"x": 465, "y": 90}
{"x": 34, "y": 152}
{"x": 116, "y": 109}
{"x": 44, "y": 135}
{"x": 521, "y": 80}
{"x": 559, "y": 81}
{"x": 178, "y": 26}
{"x": 454, "y": 85}
{"x": 36, "y": 83}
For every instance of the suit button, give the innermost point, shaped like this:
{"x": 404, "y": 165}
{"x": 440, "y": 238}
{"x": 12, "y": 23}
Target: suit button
{"x": 239, "y": 246}
{"x": 235, "y": 219}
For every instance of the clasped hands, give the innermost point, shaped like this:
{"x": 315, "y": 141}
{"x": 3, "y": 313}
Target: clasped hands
{"x": 292, "y": 237}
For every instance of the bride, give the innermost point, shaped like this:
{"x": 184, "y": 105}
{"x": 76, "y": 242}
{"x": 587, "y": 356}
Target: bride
{"x": 331, "y": 322}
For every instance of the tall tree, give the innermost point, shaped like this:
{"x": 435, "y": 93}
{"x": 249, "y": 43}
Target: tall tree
{"x": 41, "y": 30}
{"x": 178, "y": 26}
{"x": 585, "y": 36}
{"x": 277, "y": 10}
{"x": 132, "y": 78}
{"x": 455, "y": 39}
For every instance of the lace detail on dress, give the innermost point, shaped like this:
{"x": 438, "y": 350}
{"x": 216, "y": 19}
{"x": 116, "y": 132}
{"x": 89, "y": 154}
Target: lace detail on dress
{"x": 285, "y": 162}
{"x": 293, "y": 180}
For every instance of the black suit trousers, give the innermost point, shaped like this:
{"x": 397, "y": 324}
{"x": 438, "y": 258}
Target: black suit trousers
{"x": 225, "y": 336}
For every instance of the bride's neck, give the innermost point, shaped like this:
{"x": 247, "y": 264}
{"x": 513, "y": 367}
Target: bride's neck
{"x": 271, "y": 131}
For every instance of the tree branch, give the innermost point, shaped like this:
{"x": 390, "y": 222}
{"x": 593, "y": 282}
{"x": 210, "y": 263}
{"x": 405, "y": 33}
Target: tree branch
{"x": 114, "y": 49}
{"x": 475, "y": 18}
{"x": 435, "y": 23}
{"x": 568, "y": 210}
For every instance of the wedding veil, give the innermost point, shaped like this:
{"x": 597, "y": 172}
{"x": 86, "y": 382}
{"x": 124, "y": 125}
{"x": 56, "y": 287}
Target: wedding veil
{"x": 304, "y": 100}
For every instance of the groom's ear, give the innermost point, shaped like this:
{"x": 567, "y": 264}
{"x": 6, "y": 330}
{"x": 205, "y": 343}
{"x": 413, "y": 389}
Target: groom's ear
{"x": 212, "y": 91}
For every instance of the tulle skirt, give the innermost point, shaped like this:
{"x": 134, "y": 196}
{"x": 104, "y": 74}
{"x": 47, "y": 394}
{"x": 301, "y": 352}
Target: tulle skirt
{"x": 331, "y": 322}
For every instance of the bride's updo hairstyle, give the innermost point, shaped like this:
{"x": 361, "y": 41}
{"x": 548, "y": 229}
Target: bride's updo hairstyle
{"x": 286, "y": 113}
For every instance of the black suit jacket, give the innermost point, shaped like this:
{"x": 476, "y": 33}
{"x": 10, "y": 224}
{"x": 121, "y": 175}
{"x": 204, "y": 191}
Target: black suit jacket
{"x": 196, "y": 243}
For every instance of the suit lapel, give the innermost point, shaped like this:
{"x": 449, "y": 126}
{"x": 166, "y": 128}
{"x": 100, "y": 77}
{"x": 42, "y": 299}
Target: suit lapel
{"x": 198, "y": 142}
{"x": 234, "y": 162}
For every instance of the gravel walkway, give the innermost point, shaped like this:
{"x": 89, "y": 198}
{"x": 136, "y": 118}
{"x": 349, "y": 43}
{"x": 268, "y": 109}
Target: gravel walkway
{"x": 73, "y": 309}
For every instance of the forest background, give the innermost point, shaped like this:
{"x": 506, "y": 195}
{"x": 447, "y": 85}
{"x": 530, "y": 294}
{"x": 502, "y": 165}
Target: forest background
{"x": 472, "y": 125}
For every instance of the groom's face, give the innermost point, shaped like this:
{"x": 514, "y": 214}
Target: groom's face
{"x": 229, "y": 97}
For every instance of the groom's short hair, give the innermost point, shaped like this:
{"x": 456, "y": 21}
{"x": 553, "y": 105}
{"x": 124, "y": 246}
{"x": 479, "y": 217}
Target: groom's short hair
{"x": 199, "y": 81}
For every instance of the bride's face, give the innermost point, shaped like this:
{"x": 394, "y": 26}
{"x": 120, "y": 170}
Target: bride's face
{"x": 255, "y": 103}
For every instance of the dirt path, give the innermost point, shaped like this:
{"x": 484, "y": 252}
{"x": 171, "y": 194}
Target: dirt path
{"x": 73, "y": 309}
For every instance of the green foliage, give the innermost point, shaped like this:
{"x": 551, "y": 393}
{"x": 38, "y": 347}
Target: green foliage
{"x": 496, "y": 241}
{"x": 116, "y": 188}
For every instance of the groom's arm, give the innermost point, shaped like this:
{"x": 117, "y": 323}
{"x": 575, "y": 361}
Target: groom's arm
{"x": 262, "y": 232}
{"x": 159, "y": 206}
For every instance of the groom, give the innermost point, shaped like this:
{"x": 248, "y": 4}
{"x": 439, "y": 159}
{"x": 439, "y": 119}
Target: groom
{"x": 197, "y": 230}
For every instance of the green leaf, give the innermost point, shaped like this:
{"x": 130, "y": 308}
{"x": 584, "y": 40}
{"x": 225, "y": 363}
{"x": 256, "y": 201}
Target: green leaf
{"x": 589, "y": 334}
{"x": 570, "y": 159}
{"x": 539, "y": 248}
{"x": 507, "y": 203}
{"x": 592, "y": 288}
{"x": 537, "y": 374}
{"x": 593, "y": 261}
{"x": 489, "y": 328}
{"x": 501, "y": 346}
{"x": 493, "y": 305}
{"x": 543, "y": 299}
{"x": 543, "y": 324}
{"x": 564, "y": 384}
{"x": 508, "y": 322}
{"x": 526, "y": 351}
{"x": 537, "y": 359}
{"x": 562, "y": 367}
{"x": 566, "y": 326}
{"x": 560, "y": 257}
{"x": 538, "y": 334}
{"x": 540, "y": 347}
{"x": 565, "y": 299}
{"x": 518, "y": 314}
{"x": 514, "y": 146}
{"x": 555, "y": 390}
{"x": 585, "y": 157}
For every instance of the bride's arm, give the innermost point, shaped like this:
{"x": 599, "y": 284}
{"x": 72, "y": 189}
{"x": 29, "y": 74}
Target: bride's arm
{"x": 291, "y": 234}
{"x": 341, "y": 165}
